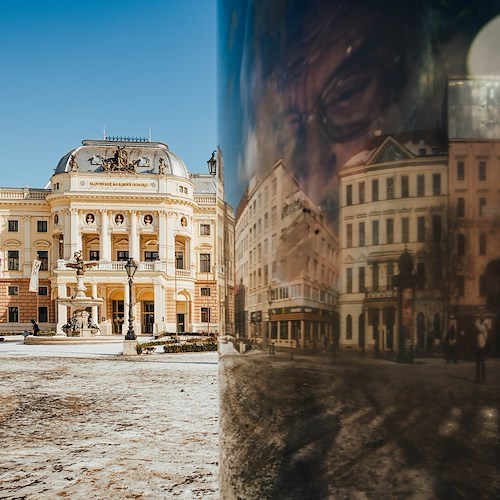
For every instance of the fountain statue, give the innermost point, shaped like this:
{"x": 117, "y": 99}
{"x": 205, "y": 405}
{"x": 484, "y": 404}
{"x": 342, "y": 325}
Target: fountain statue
{"x": 79, "y": 324}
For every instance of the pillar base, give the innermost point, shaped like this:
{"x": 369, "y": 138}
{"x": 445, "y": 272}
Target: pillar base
{"x": 129, "y": 347}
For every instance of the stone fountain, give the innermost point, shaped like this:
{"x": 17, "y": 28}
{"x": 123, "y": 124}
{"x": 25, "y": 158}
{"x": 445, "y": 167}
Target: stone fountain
{"x": 79, "y": 324}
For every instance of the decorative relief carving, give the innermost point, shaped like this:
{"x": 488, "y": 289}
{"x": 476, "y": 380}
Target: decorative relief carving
{"x": 119, "y": 162}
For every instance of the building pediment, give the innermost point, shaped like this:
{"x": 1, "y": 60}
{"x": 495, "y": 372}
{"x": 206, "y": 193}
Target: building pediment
{"x": 390, "y": 150}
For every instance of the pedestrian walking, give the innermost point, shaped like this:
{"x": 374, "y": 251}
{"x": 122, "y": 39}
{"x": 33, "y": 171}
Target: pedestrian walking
{"x": 36, "y": 328}
{"x": 482, "y": 338}
{"x": 451, "y": 346}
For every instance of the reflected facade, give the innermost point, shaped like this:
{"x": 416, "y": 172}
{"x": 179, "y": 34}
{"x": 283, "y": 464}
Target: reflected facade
{"x": 355, "y": 108}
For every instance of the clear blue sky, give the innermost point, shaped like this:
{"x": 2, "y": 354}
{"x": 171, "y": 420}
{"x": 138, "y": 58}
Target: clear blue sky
{"x": 69, "y": 67}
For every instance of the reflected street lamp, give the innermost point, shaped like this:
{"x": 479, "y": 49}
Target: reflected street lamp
{"x": 131, "y": 268}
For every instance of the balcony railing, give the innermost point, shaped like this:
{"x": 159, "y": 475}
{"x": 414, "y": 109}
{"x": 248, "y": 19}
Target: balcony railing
{"x": 381, "y": 292}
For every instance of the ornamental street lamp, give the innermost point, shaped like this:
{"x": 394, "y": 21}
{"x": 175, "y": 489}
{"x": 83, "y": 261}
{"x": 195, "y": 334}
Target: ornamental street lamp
{"x": 212, "y": 164}
{"x": 405, "y": 282}
{"x": 131, "y": 268}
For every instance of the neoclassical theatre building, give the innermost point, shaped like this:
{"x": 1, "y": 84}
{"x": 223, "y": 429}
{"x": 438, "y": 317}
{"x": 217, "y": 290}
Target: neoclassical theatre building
{"x": 114, "y": 199}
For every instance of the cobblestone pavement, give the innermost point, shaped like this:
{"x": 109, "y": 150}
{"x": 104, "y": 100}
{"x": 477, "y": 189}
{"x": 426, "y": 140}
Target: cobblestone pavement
{"x": 88, "y": 426}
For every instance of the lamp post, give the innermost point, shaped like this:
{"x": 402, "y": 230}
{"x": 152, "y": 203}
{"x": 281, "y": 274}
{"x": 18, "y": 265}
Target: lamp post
{"x": 212, "y": 164}
{"x": 270, "y": 300}
{"x": 405, "y": 282}
{"x": 130, "y": 268}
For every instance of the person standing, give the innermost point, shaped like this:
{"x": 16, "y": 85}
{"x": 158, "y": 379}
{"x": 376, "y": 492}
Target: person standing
{"x": 451, "y": 346}
{"x": 36, "y": 328}
{"x": 482, "y": 337}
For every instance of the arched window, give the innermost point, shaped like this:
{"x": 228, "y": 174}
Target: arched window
{"x": 348, "y": 327}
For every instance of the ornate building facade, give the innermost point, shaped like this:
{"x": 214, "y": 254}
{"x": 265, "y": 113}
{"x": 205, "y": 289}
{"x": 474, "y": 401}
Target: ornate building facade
{"x": 286, "y": 265}
{"x": 393, "y": 196}
{"x": 115, "y": 199}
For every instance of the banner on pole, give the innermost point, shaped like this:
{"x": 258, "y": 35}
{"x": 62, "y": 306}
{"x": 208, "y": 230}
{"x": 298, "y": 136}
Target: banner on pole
{"x": 34, "y": 275}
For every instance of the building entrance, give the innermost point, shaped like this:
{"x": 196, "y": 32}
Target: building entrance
{"x": 180, "y": 323}
{"x": 148, "y": 316}
{"x": 117, "y": 308}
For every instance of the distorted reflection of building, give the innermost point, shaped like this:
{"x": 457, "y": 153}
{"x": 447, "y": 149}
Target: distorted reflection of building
{"x": 392, "y": 198}
{"x": 474, "y": 186}
{"x": 286, "y": 265}
{"x": 115, "y": 199}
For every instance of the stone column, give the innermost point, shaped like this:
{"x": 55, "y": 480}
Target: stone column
{"x": 26, "y": 258}
{"x": 381, "y": 338}
{"x": 162, "y": 237}
{"x": 159, "y": 305}
{"x": 62, "y": 310}
{"x": 301, "y": 333}
{"x": 126, "y": 306}
{"x": 133, "y": 244}
{"x": 105, "y": 240}
{"x": 171, "y": 244}
{"x": 66, "y": 235}
{"x": 75, "y": 235}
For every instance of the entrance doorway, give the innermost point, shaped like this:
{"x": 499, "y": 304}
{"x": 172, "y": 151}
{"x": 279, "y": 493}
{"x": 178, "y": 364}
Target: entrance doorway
{"x": 180, "y": 323}
{"x": 117, "y": 308}
{"x": 148, "y": 316}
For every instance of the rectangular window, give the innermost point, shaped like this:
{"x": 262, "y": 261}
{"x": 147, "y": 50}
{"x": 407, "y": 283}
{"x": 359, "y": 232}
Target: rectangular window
{"x": 348, "y": 195}
{"x": 349, "y": 235}
{"x": 482, "y": 286}
{"x": 375, "y": 239}
{"x": 122, "y": 255}
{"x": 13, "y": 260}
{"x": 461, "y": 285}
{"x": 13, "y": 290}
{"x": 421, "y": 275}
{"x": 390, "y": 188}
{"x": 436, "y": 228}
{"x": 482, "y": 170}
{"x": 205, "y": 314}
{"x": 349, "y": 280}
{"x": 150, "y": 256}
{"x": 436, "y": 184}
{"x": 421, "y": 229}
{"x": 361, "y": 192}
{"x": 94, "y": 255}
{"x": 405, "y": 186}
{"x": 461, "y": 244}
{"x": 361, "y": 276}
{"x": 43, "y": 290}
{"x": 460, "y": 207}
{"x": 43, "y": 314}
{"x": 43, "y": 256}
{"x": 482, "y": 244}
{"x": 361, "y": 234}
{"x": 204, "y": 229}
{"x": 460, "y": 170}
{"x": 41, "y": 226}
{"x": 389, "y": 230}
{"x": 274, "y": 215}
{"x": 13, "y": 314}
{"x": 375, "y": 190}
{"x": 405, "y": 229}
{"x": 205, "y": 292}
{"x": 205, "y": 266}
{"x": 420, "y": 185}
{"x": 390, "y": 273}
{"x": 179, "y": 260}
{"x": 13, "y": 226}
{"x": 375, "y": 283}
{"x": 482, "y": 205}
